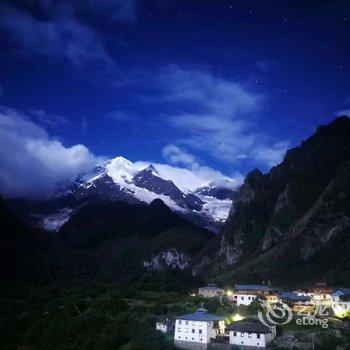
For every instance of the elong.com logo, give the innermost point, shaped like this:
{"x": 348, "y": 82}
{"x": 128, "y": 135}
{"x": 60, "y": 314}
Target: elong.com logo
{"x": 282, "y": 314}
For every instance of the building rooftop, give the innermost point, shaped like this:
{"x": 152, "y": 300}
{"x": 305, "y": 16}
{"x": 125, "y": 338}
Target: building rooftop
{"x": 211, "y": 287}
{"x": 293, "y": 296}
{"x": 200, "y": 315}
{"x": 345, "y": 291}
{"x": 253, "y": 287}
{"x": 248, "y": 326}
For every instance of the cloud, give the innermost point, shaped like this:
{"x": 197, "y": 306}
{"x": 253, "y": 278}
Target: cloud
{"x": 217, "y": 116}
{"x": 175, "y": 155}
{"x": 191, "y": 179}
{"x": 33, "y": 164}
{"x": 272, "y": 154}
{"x": 59, "y": 32}
{"x": 51, "y": 120}
{"x": 344, "y": 112}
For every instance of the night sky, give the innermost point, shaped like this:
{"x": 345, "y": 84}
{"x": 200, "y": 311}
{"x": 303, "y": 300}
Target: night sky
{"x": 228, "y": 85}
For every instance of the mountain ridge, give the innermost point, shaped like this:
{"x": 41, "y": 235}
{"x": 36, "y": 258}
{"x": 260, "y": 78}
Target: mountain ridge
{"x": 120, "y": 179}
{"x": 302, "y": 203}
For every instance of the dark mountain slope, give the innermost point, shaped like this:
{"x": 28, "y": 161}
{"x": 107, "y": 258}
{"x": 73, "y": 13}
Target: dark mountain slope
{"x": 97, "y": 221}
{"x": 22, "y": 251}
{"x": 117, "y": 240}
{"x": 295, "y": 212}
{"x": 318, "y": 247}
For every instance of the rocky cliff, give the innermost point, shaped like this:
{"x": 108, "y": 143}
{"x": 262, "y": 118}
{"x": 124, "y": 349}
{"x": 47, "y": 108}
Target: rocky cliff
{"x": 286, "y": 220}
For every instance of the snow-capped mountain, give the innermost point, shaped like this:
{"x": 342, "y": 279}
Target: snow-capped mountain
{"x": 121, "y": 179}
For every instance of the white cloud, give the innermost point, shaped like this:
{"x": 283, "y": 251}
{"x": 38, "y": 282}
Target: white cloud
{"x": 344, "y": 112}
{"x": 175, "y": 155}
{"x": 32, "y": 162}
{"x": 60, "y": 35}
{"x": 271, "y": 155}
{"x": 47, "y": 119}
{"x": 191, "y": 179}
{"x": 217, "y": 116}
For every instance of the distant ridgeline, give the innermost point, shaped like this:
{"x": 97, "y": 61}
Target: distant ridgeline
{"x": 289, "y": 225}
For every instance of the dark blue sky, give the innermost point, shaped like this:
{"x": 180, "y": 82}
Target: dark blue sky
{"x": 226, "y": 84}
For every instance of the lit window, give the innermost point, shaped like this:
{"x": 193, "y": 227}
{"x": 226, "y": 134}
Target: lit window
{"x": 249, "y": 335}
{"x": 242, "y": 335}
{"x": 179, "y": 329}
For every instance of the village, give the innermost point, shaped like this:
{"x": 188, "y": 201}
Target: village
{"x": 261, "y": 316}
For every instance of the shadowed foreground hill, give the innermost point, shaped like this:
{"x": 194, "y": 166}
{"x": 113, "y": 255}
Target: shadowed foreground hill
{"x": 121, "y": 241}
{"x": 23, "y": 255}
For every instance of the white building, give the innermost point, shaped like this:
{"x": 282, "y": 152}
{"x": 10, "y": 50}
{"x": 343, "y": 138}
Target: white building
{"x": 210, "y": 291}
{"x": 199, "y": 327}
{"x": 244, "y": 294}
{"x": 250, "y": 333}
{"x": 341, "y": 302}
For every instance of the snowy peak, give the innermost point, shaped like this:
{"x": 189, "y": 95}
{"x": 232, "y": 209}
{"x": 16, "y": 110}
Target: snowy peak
{"x": 218, "y": 192}
{"x": 121, "y": 179}
{"x": 152, "y": 169}
{"x": 120, "y": 170}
